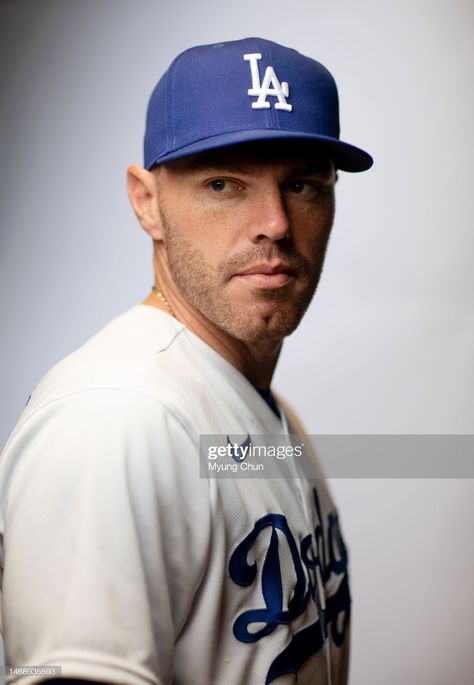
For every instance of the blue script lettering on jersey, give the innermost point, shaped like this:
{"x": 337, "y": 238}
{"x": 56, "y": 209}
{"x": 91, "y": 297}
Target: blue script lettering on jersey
{"x": 320, "y": 555}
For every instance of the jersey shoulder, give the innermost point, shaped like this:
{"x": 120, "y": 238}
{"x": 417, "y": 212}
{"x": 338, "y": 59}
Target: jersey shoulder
{"x": 128, "y": 354}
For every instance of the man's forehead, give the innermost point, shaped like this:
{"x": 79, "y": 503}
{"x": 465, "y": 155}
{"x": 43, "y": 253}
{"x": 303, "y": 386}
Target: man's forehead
{"x": 250, "y": 156}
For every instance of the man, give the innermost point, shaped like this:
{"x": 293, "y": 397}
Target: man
{"x": 122, "y": 564}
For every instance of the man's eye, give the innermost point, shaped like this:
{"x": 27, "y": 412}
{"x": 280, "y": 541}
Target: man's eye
{"x": 225, "y": 185}
{"x": 298, "y": 186}
{"x": 309, "y": 189}
{"x": 218, "y": 185}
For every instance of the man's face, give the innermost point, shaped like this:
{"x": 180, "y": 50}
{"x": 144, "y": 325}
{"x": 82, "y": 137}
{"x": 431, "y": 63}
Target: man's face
{"x": 245, "y": 233}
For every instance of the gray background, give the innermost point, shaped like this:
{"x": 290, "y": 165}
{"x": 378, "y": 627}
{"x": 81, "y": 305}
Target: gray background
{"x": 387, "y": 346}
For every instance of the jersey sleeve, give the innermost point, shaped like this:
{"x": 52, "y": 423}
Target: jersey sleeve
{"x": 106, "y": 536}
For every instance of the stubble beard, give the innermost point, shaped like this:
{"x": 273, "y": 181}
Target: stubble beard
{"x": 272, "y": 314}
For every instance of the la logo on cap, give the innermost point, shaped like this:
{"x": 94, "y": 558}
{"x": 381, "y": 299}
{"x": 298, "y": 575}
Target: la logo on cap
{"x": 269, "y": 86}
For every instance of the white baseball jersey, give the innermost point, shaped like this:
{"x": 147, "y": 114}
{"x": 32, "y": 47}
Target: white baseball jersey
{"x": 122, "y": 565}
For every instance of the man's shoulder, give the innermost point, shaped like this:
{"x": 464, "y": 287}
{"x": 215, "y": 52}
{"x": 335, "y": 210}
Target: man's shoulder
{"x": 137, "y": 351}
{"x": 147, "y": 359}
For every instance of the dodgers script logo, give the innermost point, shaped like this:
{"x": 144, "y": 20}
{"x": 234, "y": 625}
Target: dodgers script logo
{"x": 315, "y": 560}
{"x": 269, "y": 86}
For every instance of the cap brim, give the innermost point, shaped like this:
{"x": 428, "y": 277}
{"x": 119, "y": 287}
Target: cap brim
{"x": 345, "y": 156}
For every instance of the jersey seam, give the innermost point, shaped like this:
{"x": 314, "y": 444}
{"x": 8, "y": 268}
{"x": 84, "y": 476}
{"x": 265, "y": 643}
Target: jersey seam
{"x": 168, "y": 345}
{"x": 95, "y": 389}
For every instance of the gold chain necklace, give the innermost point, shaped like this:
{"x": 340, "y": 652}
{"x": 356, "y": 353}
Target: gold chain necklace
{"x": 156, "y": 291}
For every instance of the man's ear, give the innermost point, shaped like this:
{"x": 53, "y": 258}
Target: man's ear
{"x": 143, "y": 195}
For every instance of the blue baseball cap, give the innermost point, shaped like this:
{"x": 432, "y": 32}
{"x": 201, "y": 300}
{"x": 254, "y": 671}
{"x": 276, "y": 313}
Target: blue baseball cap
{"x": 242, "y": 91}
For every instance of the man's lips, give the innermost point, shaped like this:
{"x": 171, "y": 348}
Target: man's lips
{"x": 267, "y": 275}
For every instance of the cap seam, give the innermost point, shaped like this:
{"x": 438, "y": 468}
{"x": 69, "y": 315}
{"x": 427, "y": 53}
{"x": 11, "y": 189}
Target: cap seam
{"x": 273, "y": 117}
{"x": 172, "y": 135}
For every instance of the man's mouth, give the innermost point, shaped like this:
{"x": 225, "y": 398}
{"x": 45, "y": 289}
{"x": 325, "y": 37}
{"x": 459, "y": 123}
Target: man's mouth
{"x": 267, "y": 275}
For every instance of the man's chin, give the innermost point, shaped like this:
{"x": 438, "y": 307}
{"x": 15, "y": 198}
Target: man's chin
{"x": 274, "y": 326}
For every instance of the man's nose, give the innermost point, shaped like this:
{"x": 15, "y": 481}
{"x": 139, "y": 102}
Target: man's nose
{"x": 270, "y": 220}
